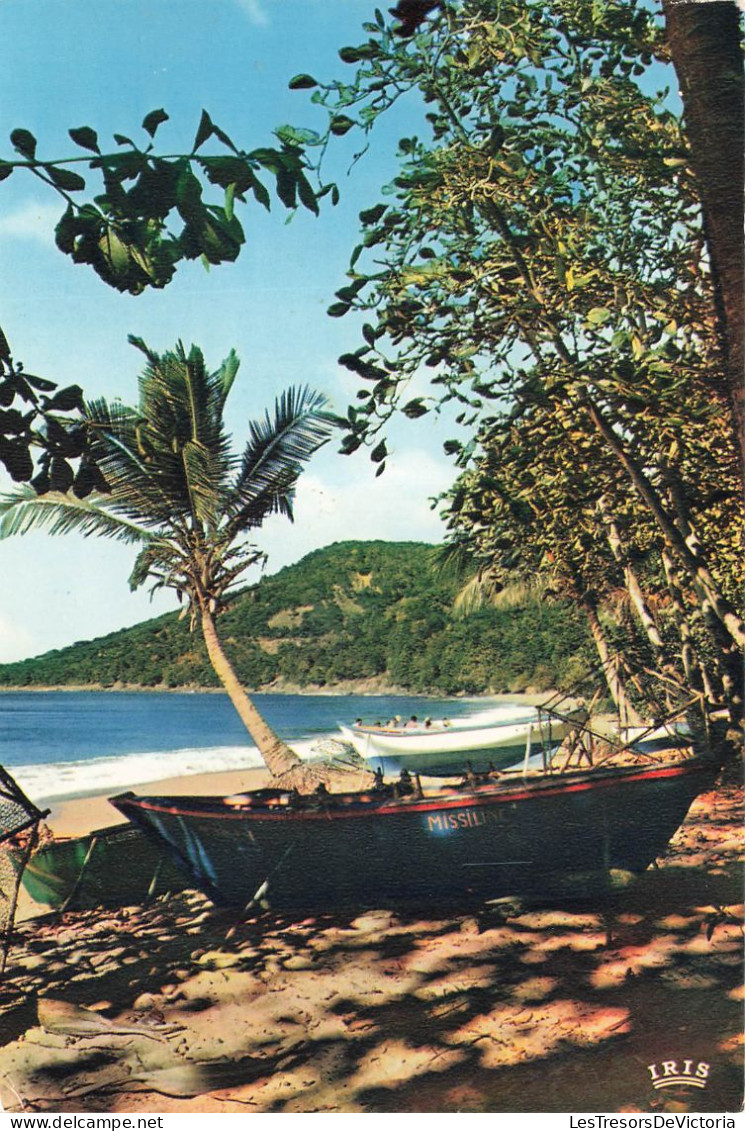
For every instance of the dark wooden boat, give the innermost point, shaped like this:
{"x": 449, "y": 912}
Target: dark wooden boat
{"x": 482, "y": 838}
{"x": 111, "y": 867}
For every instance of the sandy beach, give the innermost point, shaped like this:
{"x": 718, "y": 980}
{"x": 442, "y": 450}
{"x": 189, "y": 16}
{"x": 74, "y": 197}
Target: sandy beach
{"x": 183, "y": 1007}
{"x": 83, "y": 814}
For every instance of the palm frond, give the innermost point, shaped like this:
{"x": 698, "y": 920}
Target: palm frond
{"x": 181, "y": 404}
{"x": 275, "y": 454}
{"x": 24, "y": 510}
{"x": 141, "y": 486}
{"x": 159, "y": 560}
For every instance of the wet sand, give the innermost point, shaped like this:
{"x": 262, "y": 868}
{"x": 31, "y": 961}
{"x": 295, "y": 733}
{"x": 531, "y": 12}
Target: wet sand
{"x": 507, "y": 1008}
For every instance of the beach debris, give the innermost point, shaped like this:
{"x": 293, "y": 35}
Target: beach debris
{"x": 71, "y": 1020}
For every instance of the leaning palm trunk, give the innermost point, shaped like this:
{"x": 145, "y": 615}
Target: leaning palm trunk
{"x": 277, "y": 755}
{"x": 288, "y": 770}
{"x": 176, "y": 489}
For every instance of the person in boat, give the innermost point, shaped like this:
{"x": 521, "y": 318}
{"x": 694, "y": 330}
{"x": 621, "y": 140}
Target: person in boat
{"x": 413, "y": 722}
{"x": 427, "y": 723}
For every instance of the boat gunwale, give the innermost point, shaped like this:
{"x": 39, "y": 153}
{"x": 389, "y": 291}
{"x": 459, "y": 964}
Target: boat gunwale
{"x": 217, "y": 808}
{"x": 420, "y": 731}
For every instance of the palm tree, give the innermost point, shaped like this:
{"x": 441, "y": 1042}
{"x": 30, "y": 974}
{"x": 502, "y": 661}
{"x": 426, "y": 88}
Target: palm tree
{"x": 176, "y": 489}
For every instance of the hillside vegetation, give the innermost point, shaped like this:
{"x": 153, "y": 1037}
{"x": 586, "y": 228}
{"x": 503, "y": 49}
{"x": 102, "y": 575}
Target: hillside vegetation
{"x": 372, "y": 612}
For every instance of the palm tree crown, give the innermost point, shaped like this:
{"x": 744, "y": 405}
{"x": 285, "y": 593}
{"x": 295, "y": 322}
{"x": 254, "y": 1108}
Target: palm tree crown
{"x": 176, "y": 488}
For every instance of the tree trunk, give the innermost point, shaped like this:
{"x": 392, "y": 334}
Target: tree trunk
{"x": 704, "y": 42}
{"x": 688, "y": 656}
{"x": 611, "y": 669}
{"x": 278, "y": 757}
{"x": 633, "y": 587}
{"x": 729, "y": 657}
{"x": 731, "y": 621}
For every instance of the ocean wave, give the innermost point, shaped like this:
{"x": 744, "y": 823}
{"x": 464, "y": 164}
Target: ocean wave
{"x": 57, "y": 781}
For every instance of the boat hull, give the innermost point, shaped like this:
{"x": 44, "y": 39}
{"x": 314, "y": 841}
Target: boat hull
{"x": 444, "y": 751}
{"x": 486, "y": 841}
{"x": 112, "y": 867}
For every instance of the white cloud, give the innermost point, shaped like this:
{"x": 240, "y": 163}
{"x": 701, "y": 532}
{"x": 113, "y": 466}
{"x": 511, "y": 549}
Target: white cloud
{"x": 15, "y": 642}
{"x": 31, "y": 222}
{"x": 255, "y": 11}
{"x": 394, "y": 507}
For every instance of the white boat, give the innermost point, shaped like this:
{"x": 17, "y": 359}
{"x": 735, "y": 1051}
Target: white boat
{"x": 443, "y": 746}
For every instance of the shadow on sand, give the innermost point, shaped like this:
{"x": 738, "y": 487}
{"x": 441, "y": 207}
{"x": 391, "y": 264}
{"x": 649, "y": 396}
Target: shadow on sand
{"x": 505, "y": 1008}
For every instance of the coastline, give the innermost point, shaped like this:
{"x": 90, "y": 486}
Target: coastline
{"x": 76, "y": 816}
{"x": 362, "y": 687}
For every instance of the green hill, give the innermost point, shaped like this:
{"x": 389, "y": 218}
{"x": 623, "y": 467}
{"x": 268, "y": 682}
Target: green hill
{"x": 354, "y": 612}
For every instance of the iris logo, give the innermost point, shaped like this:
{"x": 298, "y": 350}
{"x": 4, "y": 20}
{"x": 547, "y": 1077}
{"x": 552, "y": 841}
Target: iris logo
{"x": 673, "y": 1073}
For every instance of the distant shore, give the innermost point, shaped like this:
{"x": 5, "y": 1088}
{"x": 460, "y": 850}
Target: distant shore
{"x": 363, "y": 687}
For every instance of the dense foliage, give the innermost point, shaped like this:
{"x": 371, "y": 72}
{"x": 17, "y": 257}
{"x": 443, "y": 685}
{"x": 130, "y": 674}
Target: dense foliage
{"x": 352, "y": 611}
{"x": 540, "y": 260}
{"x": 133, "y": 213}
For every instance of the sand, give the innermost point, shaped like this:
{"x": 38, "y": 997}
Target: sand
{"x": 83, "y": 814}
{"x": 182, "y": 1007}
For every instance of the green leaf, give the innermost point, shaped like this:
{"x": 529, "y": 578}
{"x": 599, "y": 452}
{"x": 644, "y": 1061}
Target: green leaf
{"x": 60, "y": 475}
{"x": 223, "y": 137}
{"x": 65, "y": 179}
{"x": 66, "y": 231}
{"x": 152, "y": 120}
{"x": 302, "y": 82}
{"x": 226, "y": 171}
{"x": 5, "y": 170}
{"x": 24, "y": 143}
{"x": 379, "y": 453}
{"x": 291, "y": 135}
{"x": 85, "y": 137}
{"x": 66, "y": 400}
{"x": 229, "y": 201}
{"x": 286, "y": 186}
{"x": 338, "y": 309}
{"x": 372, "y": 215}
{"x": 204, "y": 131}
{"x": 598, "y": 315}
{"x": 306, "y": 194}
{"x": 415, "y": 409}
{"x": 260, "y": 192}
{"x": 15, "y": 455}
{"x": 340, "y": 124}
{"x": 189, "y": 198}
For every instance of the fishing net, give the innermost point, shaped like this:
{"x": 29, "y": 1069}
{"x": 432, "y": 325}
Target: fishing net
{"x": 19, "y": 831}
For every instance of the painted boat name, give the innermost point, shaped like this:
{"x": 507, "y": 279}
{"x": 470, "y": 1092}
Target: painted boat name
{"x": 462, "y": 819}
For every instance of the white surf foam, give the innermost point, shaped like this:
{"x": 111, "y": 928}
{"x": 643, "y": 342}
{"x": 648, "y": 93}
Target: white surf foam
{"x": 55, "y": 781}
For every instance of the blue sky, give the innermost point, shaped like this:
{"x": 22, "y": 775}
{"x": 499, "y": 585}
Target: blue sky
{"x": 107, "y": 63}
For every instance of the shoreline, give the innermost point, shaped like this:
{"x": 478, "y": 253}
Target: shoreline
{"x": 78, "y": 816}
{"x": 361, "y": 688}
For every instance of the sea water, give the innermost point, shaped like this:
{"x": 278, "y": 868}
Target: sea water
{"x": 62, "y": 744}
